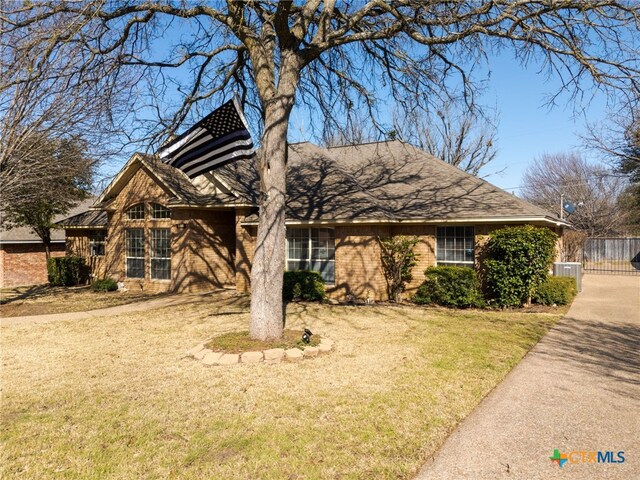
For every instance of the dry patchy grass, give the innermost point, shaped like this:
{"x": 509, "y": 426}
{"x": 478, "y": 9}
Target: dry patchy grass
{"x": 117, "y": 398}
{"x": 43, "y": 299}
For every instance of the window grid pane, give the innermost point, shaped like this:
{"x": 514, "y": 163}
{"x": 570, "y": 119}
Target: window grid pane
{"x": 136, "y": 212}
{"x": 134, "y": 252}
{"x": 312, "y": 249}
{"x": 159, "y": 212}
{"x": 298, "y": 243}
{"x": 160, "y": 253}
{"x": 96, "y": 243}
{"x": 455, "y": 245}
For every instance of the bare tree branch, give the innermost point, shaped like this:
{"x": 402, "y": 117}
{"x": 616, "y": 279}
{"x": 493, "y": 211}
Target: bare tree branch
{"x": 334, "y": 57}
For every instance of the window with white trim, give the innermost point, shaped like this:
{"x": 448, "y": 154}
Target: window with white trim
{"x": 96, "y": 243}
{"x": 160, "y": 253}
{"x": 455, "y": 246}
{"x": 134, "y": 252}
{"x": 312, "y": 249}
{"x": 159, "y": 212}
{"x": 136, "y": 212}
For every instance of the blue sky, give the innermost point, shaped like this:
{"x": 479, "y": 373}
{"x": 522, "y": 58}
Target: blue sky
{"x": 528, "y": 128}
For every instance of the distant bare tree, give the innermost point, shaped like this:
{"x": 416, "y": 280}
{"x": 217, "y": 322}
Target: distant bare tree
{"x": 458, "y": 135}
{"x": 619, "y": 143}
{"x": 64, "y": 176}
{"x": 355, "y": 131}
{"x": 46, "y": 98}
{"x": 593, "y": 189}
{"x": 327, "y": 56}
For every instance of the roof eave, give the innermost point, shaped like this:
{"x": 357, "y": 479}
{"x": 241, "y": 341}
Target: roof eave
{"x": 29, "y": 241}
{"x": 424, "y": 221}
{"x": 224, "y": 206}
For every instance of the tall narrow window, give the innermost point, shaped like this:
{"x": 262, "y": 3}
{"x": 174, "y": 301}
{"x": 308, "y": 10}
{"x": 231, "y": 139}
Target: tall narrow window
{"x": 455, "y": 246}
{"x": 96, "y": 243}
{"x": 136, "y": 212}
{"x": 134, "y": 252}
{"x": 160, "y": 253}
{"x": 159, "y": 212}
{"x": 323, "y": 252}
{"x": 312, "y": 249}
{"x": 297, "y": 249}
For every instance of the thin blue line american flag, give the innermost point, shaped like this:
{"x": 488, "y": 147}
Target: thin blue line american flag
{"x": 219, "y": 138}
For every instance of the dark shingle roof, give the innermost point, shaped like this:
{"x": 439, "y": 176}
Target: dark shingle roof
{"x": 89, "y": 218}
{"x": 388, "y": 181}
{"x": 385, "y": 181}
{"x": 183, "y": 190}
{"x": 25, "y": 234}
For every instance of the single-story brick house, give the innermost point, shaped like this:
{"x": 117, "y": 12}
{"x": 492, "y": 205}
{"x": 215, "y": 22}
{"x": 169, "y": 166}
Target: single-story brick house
{"x": 22, "y": 254}
{"x": 155, "y": 229}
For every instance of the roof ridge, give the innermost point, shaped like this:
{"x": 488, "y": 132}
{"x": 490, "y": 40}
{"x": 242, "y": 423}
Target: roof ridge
{"x": 373, "y": 142}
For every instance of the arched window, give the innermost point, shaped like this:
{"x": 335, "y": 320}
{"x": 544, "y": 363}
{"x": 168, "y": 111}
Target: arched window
{"x": 159, "y": 212}
{"x": 136, "y": 212}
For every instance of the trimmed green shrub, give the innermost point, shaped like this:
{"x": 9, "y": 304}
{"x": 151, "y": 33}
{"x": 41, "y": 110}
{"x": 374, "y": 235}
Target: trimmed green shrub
{"x": 66, "y": 271}
{"x": 450, "y": 287}
{"x": 518, "y": 259}
{"x": 303, "y": 285}
{"x": 556, "y": 290}
{"x": 104, "y": 285}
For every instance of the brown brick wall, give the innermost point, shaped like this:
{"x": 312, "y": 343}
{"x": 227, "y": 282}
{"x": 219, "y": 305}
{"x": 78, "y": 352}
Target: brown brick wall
{"x": 358, "y": 266}
{"x": 245, "y": 245}
{"x": 203, "y": 252}
{"x": 358, "y": 272}
{"x": 202, "y": 241}
{"x": 25, "y": 264}
{"x": 358, "y": 269}
{"x": 78, "y": 244}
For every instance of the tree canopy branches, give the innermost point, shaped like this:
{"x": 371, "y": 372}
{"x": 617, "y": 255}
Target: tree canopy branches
{"x": 343, "y": 50}
{"x": 333, "y": 57}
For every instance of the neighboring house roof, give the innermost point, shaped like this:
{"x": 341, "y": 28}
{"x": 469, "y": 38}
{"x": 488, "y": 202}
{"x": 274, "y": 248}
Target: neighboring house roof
{"x": 386, "y": 182}
{"x": 26, "y": 234}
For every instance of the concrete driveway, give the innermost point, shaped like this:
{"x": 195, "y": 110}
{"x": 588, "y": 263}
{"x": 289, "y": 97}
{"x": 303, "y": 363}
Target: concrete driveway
{"x": 577, "y": 391}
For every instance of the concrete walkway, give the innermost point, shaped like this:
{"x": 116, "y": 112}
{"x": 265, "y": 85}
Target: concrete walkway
{"x": 162, "y": 302}
{"x": 577, "y": 390}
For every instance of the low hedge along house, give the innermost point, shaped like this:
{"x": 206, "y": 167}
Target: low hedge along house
{"x": 156, "y": 230}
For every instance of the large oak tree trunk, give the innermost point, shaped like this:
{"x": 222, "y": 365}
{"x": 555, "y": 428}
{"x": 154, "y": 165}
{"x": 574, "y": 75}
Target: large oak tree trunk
{"x": 267, "y": 308}
{"x": 267, "y": 313}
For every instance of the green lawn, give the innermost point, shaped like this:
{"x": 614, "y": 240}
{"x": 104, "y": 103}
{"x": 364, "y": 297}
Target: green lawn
{"x": 117, "y": 398}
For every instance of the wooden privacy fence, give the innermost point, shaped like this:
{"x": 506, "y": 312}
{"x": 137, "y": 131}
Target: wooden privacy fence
{"x": 611, "y": 255}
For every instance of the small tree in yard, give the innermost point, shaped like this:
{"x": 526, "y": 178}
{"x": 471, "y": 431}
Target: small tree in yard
{"x": 398, "y": 258}
{"x": 60, "y": 183}
{"x": 518, "y": 260}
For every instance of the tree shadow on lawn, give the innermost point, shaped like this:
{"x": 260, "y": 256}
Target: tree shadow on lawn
{"x": 609, "y": 350}
{"x": 25, "y": 293}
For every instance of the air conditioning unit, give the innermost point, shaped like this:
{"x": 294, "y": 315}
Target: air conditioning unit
{"x": 569, "y": 269}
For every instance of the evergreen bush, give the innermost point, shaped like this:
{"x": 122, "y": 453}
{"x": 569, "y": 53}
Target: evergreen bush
{"x": 303, "y": 285}
{"x": 450, "y": 286}
{"x": 104, "y": 285}
{"x": 518, "y": 261}
{"x": 556, "y": 291}
{"x": 66, "y": 271}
